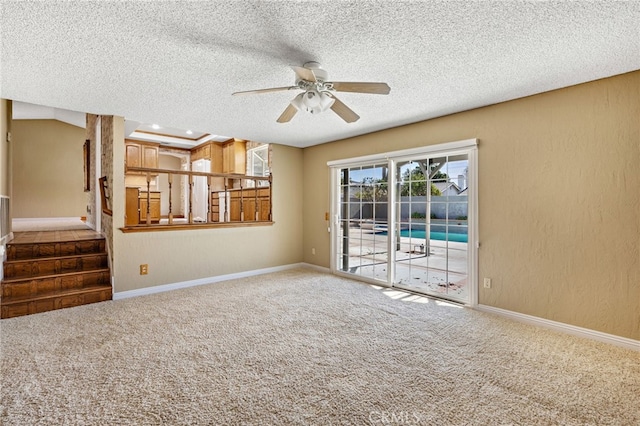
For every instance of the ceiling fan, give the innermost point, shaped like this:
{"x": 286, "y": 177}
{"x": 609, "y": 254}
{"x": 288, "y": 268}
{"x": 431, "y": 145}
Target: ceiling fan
{"x": 318, "y": 95}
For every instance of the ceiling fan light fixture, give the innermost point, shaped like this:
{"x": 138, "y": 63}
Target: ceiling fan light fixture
{"x": 313, "y": 102}
{"x": 326, "y": 101}
{"x": 298, "y": 103}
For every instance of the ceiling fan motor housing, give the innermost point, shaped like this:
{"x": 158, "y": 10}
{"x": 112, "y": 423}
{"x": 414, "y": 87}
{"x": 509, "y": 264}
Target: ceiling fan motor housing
{"x": 319, "y": 72}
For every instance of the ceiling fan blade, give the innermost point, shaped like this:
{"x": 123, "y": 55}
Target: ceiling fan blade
{"x": 344, "y": 111}
{"x": 304, "y": 73}
{"x": 288, "y": 114}
{"x": 360, "y": 87}
{"x": 273, "y": 89}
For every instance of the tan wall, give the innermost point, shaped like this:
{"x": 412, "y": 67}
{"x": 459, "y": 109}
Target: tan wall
{"x": 559, "y": 200}
{"x": 47, "y": 169}
{"x": 176, "y": 256}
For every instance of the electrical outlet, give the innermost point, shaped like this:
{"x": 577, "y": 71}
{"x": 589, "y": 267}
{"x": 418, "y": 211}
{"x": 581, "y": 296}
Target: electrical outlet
{"x": 487, "y": 283}
{"x": 326, "y": 215}
{"x": 313, "y": 251}
{"x": 144, "y": 269}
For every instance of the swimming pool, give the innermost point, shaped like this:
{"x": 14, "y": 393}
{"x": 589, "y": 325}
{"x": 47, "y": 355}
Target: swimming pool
{"x": 414, "y": 233}
{"x": 440, "y": 236}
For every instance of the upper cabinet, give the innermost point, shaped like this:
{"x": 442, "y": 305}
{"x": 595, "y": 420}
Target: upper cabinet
{"x": 225, "y": 157}
{"x": 133, "y": 156}
{"x": 150, "y": 156}
{"x": 234, "y": 157}
{"x": 201, "y": 152}
{"x": 141, "y": 154}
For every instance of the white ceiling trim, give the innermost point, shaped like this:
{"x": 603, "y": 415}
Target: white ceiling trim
{"x": 27, "y": 111}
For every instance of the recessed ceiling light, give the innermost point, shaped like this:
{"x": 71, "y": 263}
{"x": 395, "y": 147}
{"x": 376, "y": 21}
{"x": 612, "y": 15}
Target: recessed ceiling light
{"x": 155, "y": 126}
{"x": 189, "y": 132}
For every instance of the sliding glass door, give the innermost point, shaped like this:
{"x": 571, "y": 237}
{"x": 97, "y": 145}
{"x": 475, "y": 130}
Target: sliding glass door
{"x": 363, "y": 221}
{"x": 408, "y": 222}
{"x": 431, "y": 224}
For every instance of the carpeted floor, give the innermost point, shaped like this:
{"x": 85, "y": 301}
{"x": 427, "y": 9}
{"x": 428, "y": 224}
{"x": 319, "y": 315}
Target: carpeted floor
{"x": 302, "y": 347}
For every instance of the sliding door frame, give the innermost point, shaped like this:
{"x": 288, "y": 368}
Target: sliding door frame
{"x": 467, "y": 146}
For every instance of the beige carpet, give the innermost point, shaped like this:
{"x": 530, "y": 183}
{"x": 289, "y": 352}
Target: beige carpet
{"x": 48, "y": 224}
{"x": 301, "y": 347}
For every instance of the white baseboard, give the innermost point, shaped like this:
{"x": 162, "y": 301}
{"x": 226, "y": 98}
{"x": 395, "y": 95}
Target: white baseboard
{"x": 202, "y": 281}
{"x": 47, "y": 219}
{"x": 316, "y": 267}
{"x": 565, "y": 328}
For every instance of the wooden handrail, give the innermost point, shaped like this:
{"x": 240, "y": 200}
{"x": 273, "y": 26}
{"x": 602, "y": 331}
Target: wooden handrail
{"x": 190, "y": 173}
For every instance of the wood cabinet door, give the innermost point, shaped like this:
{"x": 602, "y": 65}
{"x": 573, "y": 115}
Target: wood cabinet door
{"x": 249, "y": 209}
{"x": 132, "y": 215}
{"x": 154, "y": 210}
{"x": 216, "y": 158}
{"x": 150, "y": 156}
{"x": 143, "y": 209}
{"x": 239, "y": 157}
{"x": 206, "y": 152}
{"x": 234, "y": 157}
{"x": 133, "y": 155}
{"x": 234, "y": 210}
{"x": 196, "y": 154}
{"x": 226, "y": 159}
{"x": 264, "y": 209}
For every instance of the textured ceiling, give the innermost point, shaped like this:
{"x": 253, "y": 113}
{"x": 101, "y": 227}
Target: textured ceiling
{"x": 177, "y": 63}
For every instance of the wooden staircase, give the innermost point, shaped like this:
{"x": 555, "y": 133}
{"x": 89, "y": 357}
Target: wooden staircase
{"x": 47, "y": 270}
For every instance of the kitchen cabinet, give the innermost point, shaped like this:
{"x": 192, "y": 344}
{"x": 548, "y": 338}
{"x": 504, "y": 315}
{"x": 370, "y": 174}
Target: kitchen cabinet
{"x": 136, "y": 206}
{"x": 154, "y": 206}
{"x": 201, "y": 152}
{"x": 141, "y": 154}
{"x": 132, "y": 207}
{"x": 234, "y": 157}
{"x": 211, "y": 151}
{"x": 244, "y": 205}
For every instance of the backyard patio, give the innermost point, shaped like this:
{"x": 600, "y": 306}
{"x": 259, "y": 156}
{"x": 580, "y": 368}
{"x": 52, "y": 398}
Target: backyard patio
{"x": 436, "y": 267}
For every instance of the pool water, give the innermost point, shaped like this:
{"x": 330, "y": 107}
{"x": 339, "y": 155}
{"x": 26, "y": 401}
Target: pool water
{"x": 460, "y": 238}
{"x": 441, "y": 236}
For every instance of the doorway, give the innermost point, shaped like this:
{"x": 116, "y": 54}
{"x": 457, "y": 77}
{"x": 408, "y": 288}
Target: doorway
{"x": 408, "y": 220}
{"x": 200, "y": 199}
